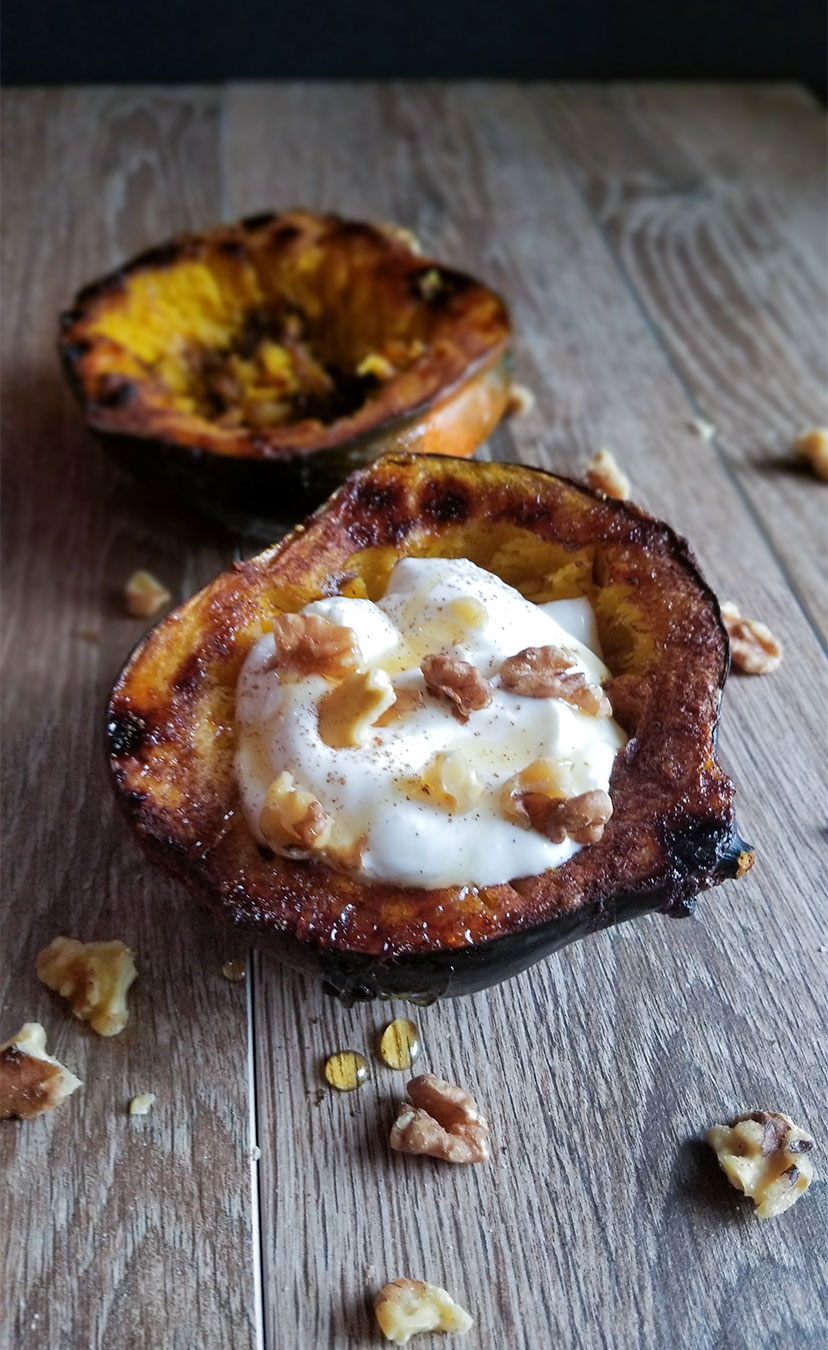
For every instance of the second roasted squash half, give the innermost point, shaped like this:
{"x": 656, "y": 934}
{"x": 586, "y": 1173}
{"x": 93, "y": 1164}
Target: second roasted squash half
{"x": 171, "y": 729}
{"x": 250, "y": 368}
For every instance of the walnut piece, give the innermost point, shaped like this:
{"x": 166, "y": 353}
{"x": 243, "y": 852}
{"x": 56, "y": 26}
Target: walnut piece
{"x": 458, "y": 681}
{"x": 292, "y": 817}
{"x": 30, "y": 1080}
{"x": 144, "y": 595}
{"x": 450, "y": 781}
{"x": 348, "y": 712}
{"x": 142, "y": 1104}
{"x": 94, "y": 977}
{"x": 550, "y": 777}
{"x": 543, "y": 672}
{"x": 308, "y": 644}
{"x": 704, "y": 430}
{"x": 604, "y": 473}
{"x": 404, "y": 1307}
{"x": 442, "y": 1121}
{"x": 582, "y": 818}
{"x": 405, "y": 236}
{"x": 753, "y": 648}
{"x": 405, "y": 701}
{"x": 811, "y": 446}
{"x": 765, "y": 1155}
{"x": 521, "y": 401}
{"x": 344, "y": 849}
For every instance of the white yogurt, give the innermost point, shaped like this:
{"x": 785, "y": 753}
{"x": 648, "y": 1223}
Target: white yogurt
{"x": 411, "y": 841}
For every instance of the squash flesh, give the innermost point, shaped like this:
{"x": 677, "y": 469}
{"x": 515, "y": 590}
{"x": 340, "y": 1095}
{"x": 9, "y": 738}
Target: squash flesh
{"x": 672, "y": 833}
{"x": 137, "y": 343}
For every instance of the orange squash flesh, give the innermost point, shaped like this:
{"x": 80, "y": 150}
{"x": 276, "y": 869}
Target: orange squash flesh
{"x": 250, "y": 368}
{"x": 672, "y": 834}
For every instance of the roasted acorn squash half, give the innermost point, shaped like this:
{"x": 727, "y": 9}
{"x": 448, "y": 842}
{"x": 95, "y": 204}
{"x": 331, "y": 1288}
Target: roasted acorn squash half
{"x": 171, "y": 729}
{"x": 249, "y": 369}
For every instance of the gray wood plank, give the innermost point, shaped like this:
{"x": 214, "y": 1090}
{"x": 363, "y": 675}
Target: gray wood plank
{"x": 119, "y": 1231}
{"x": 715, "y": 202}
{"x": 601, "y": 1221}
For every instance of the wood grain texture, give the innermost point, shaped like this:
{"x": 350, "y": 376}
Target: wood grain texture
{"x": 715, "y": 203}
{"x": 602, "y": 1220}
{"x": 121, "y": 1231}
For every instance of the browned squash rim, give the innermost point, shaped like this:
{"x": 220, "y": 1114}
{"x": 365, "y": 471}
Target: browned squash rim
{"x": 470, "y": 323}
{"x": 673, "y": 831}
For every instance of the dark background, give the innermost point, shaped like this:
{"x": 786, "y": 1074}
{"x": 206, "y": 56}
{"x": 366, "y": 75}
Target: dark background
{"x": 88, "y": 41}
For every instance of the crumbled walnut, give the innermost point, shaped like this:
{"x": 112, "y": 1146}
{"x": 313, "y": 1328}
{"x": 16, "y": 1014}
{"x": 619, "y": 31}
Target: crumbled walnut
{"x": 582, "y": 818}
{"x": 451, "y": 782}
{"x": 765, "y": 1155}
{"x": 144, "y": 595}
{"x": 811, "y": 446}
{"x": 293, "y": 818}
{"x": 405, "y": 701}
{"x": 30, "y": 1080}
{"x": 93, "y": 976}
{"x": 349, "y": 710}
{"x": 704, "y": 430}
{"x": 345, "y": 850}
{"x": 142, "y": 1104}
{"x": 521, "y": 400}
{"x": 753, "y": 648}
{"x": 442, "y": 1121}
{"x": 458, "y": 681}
{"x": 405, "y": 236}
{"x": 375, "y": 364}
{"x": 551, "y": 778}
{"x": 308, "y": 644}
{"x": 605, "y": 475}
{"x": 543, "y": 672}
{"x": 404, "y": 1307}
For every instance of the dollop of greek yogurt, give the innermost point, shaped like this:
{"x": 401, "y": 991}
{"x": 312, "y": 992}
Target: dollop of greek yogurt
{"x": 431, "y": 605}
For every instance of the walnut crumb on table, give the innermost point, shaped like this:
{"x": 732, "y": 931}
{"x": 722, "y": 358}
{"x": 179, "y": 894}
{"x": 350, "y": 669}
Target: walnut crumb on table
{"x": 94, "y": 977}
{"x": 142, "y": 1104}
{"x": 144, "y": 595}
{"x": 442, "y": 1121}
{"x": 704, "y": 430}
{"x": 604, "y": 473}
{"x": 753, "y": 648}
{"x": 521, "y": 401}
{"x": 405, "y": 1307}
{"x": 31, "y": 1081}
{"x": 765, "y": 1155}
{"x": 811, "y": 446}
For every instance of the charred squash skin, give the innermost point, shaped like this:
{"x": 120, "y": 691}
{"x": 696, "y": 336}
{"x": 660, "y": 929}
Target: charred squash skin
{"x": 171, "y": 734}
{"x": 140, "y": 349}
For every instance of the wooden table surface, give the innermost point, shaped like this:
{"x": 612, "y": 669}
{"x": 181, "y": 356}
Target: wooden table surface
{"x": 663, "y": 252}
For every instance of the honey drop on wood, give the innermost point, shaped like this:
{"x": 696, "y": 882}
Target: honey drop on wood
{"x": 346, "y": 1070}
{"x": 400, "y": 1043}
